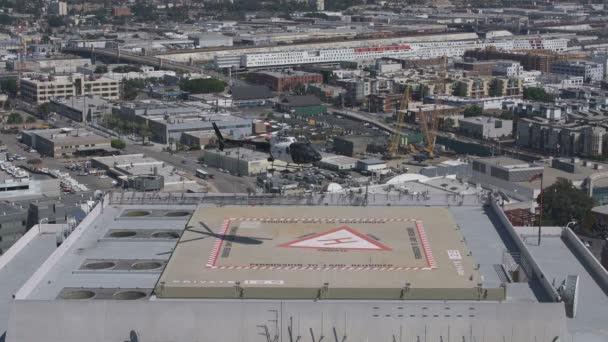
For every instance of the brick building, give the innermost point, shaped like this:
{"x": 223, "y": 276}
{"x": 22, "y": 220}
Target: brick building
{"x": 284, "y": 81}
{"x": 540, "y": 60}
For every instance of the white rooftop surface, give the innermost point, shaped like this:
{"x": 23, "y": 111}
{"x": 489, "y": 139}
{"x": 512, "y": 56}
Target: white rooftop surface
{"x": 558, "y": 261}
{"x": 90, "y": 243}
{"x": 20, "y": 268}
{"x": 520, "y": 314}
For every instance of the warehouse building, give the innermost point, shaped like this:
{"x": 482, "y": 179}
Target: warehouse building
{"x": 82, "y": 108}
{"x": 63, "y": 142}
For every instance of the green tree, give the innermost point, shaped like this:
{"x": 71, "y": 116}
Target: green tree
{"x": 131, "y": 88}
{"x": 564, "y": 203}
{"x": 101, "y": 69}
{"x": 537, "y": 94}
{"x": 126, "y": 68}
{"x": 118, "y": 144}
{"x": 202, "y": 85}
{"x": 44, "y": 110}
{"x": 55, "y": 21}
{"x": 448, "y": 124}
{"x": 472, "y": 111}
{"x": 5, "y": 19}
{"x": 299, "y": 89}
{"x": 460, "y": 90}
{"x": 9, "y": 86}
{"x": 30, "y": 119}
{"x": 14, "y": 119}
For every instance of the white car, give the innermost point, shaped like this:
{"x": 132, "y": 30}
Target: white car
{"x": 586, "y": 243}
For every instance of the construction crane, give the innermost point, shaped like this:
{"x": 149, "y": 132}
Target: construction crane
{"x": 428, "y": 124}
{"x": 395, "y": 139}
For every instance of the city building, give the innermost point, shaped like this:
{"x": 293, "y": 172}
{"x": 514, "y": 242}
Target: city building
{"x": 590, "y": 71}
{"x": 167, "y": 121}
{"x": 43, "y": 89}
{"x": 480, "y": 68}
{"x": 82, "y": 108}
{"x": 251, "y": 96}
{"x": 208, "y": 39}
{"x": 284, "y": 81}
{"x": 354, "y": 145}
{"x": 494, "y": 285}
{"x": 301, "y": 105}
{"x": 13, "y": 224}
{"x": 371, "y": 165}
{"x": 337, "y": 163}
{"x": 508, "y": 175}
{"x": 143, "y": 173}
{"x": 58, "y": 8}
{"x": 506, "y": 86}
{"x": 241, "y": 161}
{"x": 385, "y": 103}
{"x": 507, "y": 68}
{"x": 63, "y": 142}
{"x": 486, "y": 127}
{"x": 474, "y": 87}
{"x": 121, "y": 12}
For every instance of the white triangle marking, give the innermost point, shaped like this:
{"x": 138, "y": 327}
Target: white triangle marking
{"x": 341, "y": 238}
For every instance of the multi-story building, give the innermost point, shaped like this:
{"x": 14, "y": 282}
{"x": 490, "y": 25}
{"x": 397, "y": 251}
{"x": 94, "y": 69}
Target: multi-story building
{"x": 486, "y": 127}
{"x": 507, "y": 86}
{"x": 385, "y": 103}
{"x": 121, "y": 12}
{"x": 589, "y": 70}
{"x": 58, "y": 8}
{"x": 474, "y": 87}
{"x": 483, "y": 68}
{"x": 507, "y": 68}
{"x": 43, "y": 89}
{"x": 13, "y": 224}
{"x": 285, "y": 81}
{"x": 63, "y": 142}
{"x": 168, "y": 121}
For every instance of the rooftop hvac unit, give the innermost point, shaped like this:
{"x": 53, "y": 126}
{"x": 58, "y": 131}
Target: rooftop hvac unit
{"x": 598, "y": 166}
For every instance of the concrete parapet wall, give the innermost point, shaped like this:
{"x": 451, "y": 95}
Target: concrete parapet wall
{"x": 598, "y": 271}
{"x": 535, "y": 269}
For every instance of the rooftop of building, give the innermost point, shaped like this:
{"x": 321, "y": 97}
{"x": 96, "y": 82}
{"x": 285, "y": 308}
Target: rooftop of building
{"x": 97, "y": 263}
{"x": 79, "y": 102}
{"x": 244, "y": 154}
{"x": 65, "y": 135}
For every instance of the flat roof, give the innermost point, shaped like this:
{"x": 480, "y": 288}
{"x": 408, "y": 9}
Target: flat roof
{"x": 323, "y": 252}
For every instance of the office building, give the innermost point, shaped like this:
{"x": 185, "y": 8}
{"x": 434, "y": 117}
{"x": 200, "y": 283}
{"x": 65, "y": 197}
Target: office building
{"x": 43, "y": 89}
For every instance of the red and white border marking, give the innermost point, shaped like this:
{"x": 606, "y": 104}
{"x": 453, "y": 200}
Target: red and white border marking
{"x": 426, "y": 248}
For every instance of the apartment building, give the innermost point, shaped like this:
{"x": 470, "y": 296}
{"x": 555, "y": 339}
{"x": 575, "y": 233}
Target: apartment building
{"x": 474, "y": 87}
{"x": 507, "y": 86}
{"x": 44, "y": 88}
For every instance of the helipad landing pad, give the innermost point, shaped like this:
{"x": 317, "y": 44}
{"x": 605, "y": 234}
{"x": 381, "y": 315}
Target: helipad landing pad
{"x": 321, "y": 244}
{"x": 321, "y": 252}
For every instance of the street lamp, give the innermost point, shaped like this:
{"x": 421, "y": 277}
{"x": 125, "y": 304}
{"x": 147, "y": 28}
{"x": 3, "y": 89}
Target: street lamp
{"x": 40, "y": 224}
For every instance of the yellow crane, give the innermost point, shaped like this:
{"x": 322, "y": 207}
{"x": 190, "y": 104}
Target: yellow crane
{"x": 428, "y": 124}
{"x": 395, "y": 139}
